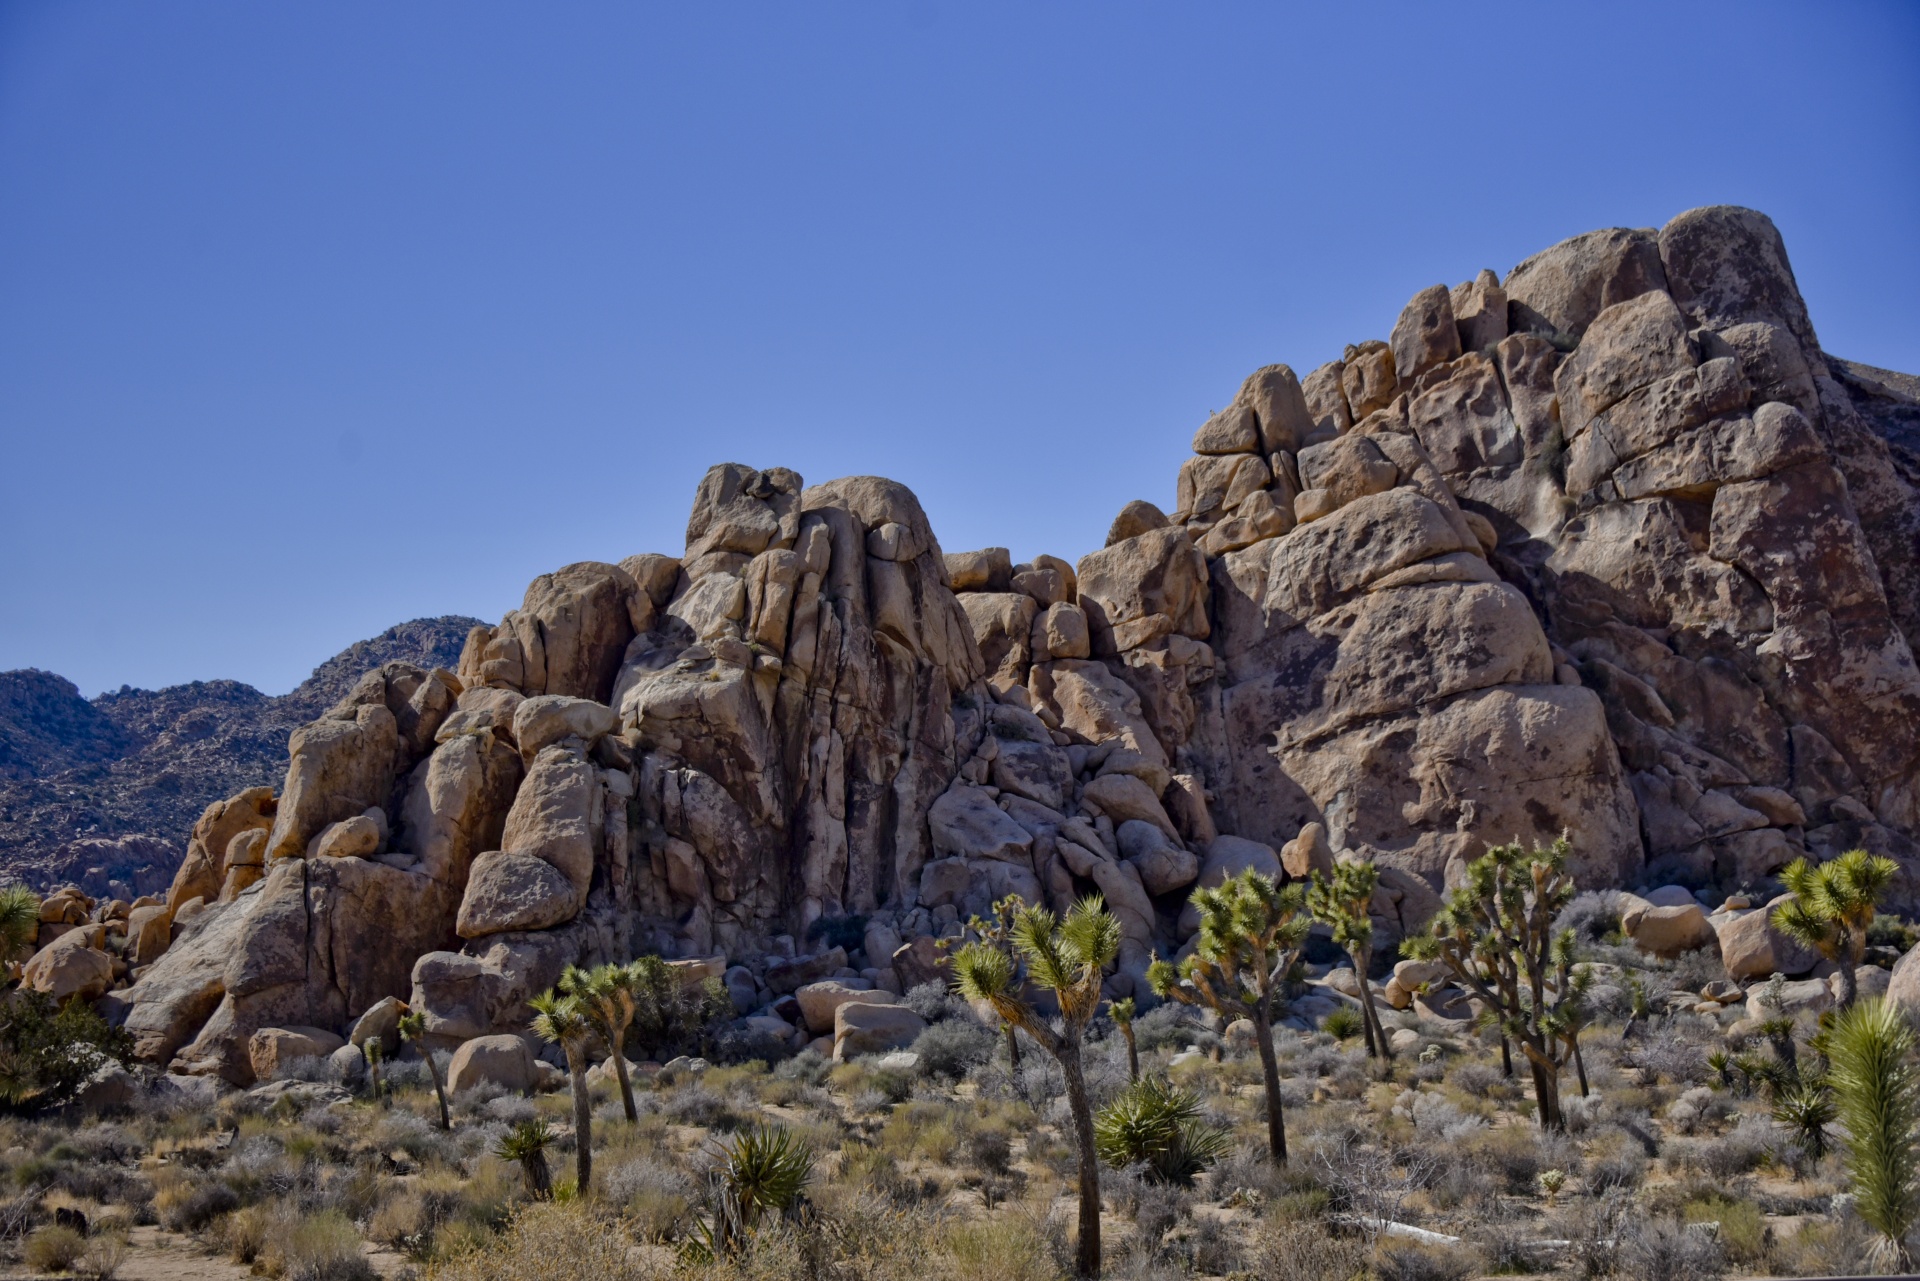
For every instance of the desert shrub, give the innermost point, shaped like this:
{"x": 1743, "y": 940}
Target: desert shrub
{"x": 809, "y": 1067}
{"x": 1664, "y": 1249}
{"x": 189, "y": 1202}
{"x": 1009, "y": 1248}
{"x": 1509, "y": 1155}
{"x": 1169, "y": 1026}
{"x": 1697, "y": 1108}
{"x": 104, "y": 1256}
{"x": 935, "y": 1001}
{"x": 954, "y": 1047}
{"x": 1245, "y": 1172}
{"x": 1438, "y": 1116}
{"x": 1396, "y": 1260}
{"x": 1614, "y": 1159}
{"x": 1672, "y": 1056}
{"x": 655, "y": 1198}
{"x": 1593, "y": 916}
{"x": 1343, "y": 1023}
{"x": 1741, "y": 1228}
{"x": 319, "y": 1247}
{"x": 49, "y": 1051}
{"x": 1481, "y": 1081}
{"x": 54, "y": 1248}
{"x": 697, "y": 1105}
{"x": 1743, "y": 1149}
{"x": 1284, "y": 1249}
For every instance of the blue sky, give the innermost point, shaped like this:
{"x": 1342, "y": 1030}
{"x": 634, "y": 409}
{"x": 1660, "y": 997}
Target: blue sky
{"x": 317, "y": 317}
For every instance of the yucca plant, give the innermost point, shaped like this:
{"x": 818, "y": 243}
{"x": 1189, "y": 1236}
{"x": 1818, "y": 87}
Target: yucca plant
{"x": 607, "y": 993}
{"x": 1876, "y": 1095}
{"x": 1251, "y": 933}
{"x": 1344, "y": 1021}
{"x": 563, "y": 1020}
{"x": 1068, "y": 957}
{"x": 1804, "y": 1110}
{"x": 1121, "y": 1012}
{"x": 1832, "y": 908}
{"x": 19, "y": 919}
{"x": 1156, "y": 1122}
{"x": 526, "y": 1145}
{"x": 1341, "y": 902}
{"x": 413, "y": 1029}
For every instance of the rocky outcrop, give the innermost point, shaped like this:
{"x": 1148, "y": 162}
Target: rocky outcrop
{"x": 1606, "y": 548}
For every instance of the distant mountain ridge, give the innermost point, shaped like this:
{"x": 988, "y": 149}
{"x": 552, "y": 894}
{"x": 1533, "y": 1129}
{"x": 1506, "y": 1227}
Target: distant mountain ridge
{"x": 101, "y": 792}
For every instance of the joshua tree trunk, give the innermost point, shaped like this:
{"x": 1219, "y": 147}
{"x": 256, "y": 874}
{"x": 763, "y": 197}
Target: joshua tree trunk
{"x": 1374, "y": 1031}
{"x": 1579, "y": 1065}
{"x": 626, "y": 1085}
{"x": 1849, "y": 983}
{"x": 534, "y": 1173}
{"x": 1013, "y": 1047}
{"x": 1506, "y": 1057}
{"x": 1546, "y": 1089}
{"x": 1088, "y": 1264}
{"x": 582, "y": 1120}
{"x": 1270, "y": 1072}
{"x": 439, "y": 1090}
{"x": 1133, "y": 1052}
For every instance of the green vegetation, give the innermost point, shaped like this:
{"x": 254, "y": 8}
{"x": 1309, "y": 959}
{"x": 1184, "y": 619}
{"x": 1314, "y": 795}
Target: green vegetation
{"x": 1832, "y": 909}
{"x": 1342, "y": 902}
{"x": 1876, "y": 1090}
{"x": 1159, "y": 1124}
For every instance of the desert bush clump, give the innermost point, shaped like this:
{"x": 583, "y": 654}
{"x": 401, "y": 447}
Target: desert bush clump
{"x": 1417, "y": 1261}
{"x": 1159, "y": 1126}
{"x": 654, "y": 1198}
{"x": 1288, "y": 1249}
{"x": 54, "y": 1248}
{"x": 954, "y": 1047}
{"x": 1664, "y": 1249}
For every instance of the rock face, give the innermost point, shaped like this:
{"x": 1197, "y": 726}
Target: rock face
{"x": 1606, "y": 547}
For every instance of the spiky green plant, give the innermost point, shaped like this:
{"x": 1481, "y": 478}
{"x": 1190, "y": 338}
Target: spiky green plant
{"x": 1876, "y": 1095}
{"x": 1495, "y": 934}
{"x": 19, "y": 918}
{"x": 672, "y": 1015}
{"x": 1067, "y": 957}
{"x": 1344, "y": 1021}
{"x": 1251, "y": 933}
{"x": 997, "y": 931}
{"x": 608, "y": 994}
{"x": 1122, "y": 1012}
{"x": 563, "y": 1020}
{"x": 413, "y": 1029}
{"x": 1342, "y": 902}
{"x": 1832, "y": 908}
{"x": 526, "y": 1145}
{"x": 1156, "y": 1122}
{"x": 766, "y": 1168}
{"x": 1804, "y": 1110}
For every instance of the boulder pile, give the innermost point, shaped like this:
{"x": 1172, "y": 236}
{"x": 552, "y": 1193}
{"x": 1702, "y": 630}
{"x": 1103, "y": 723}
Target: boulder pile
{"x": 1608, "y": 547}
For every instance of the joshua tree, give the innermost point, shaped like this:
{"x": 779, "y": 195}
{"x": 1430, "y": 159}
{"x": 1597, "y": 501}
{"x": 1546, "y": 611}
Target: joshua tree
{"x": 1067, "y": 958}
{"x": 563, "y": 1020}
{"x": 607, "y": 993}
{"x": 669, "y": 1013}
{"x": 375, "y": 1050}
{"x": 413, "y": 1028}
{"x": 1876, "y": 1093}
{"x": 1341, "y": 902}
{"x": 1831, "y": 908}
{"x": 1496, "y": 936}
{"x": 998, "y": 933}
{"x": 1251, "y": 932}
{"x": 1121, "y": 1012}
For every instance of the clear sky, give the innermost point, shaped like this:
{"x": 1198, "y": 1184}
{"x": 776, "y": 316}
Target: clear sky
{"x": 315, "y": 317}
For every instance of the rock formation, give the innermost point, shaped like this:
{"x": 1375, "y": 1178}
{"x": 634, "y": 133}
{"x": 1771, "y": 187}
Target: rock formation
{"x": 1608, "y": 547}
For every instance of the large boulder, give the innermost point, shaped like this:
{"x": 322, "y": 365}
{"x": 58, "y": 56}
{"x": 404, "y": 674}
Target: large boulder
{"x": 515, "y": 892}
{"x": 502, "y": 1060}
{"x": 272, "y": 1050}
{"x": 1751, "y": 948}
{"x": 819, "y": 1002}
{"x": 70, "y": 966}
{"x": 1666, "y": 931}
{"x": 873, "y": 1028}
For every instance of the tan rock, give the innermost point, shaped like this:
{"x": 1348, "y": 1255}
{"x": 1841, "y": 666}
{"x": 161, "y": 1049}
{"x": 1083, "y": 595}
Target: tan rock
{"x": 380, "y": 1022}
{"x": 70, "y": 966}
{"x": 871, "y": 1028}
{"x": 356, "y": 837}
{"x": 966, "y": 824}
{"x": 1210, "y": 486}
{"x": 501, "y": 1060}
{"x": 1667, "y": 931}
{"x": 1135, "y": 519}
{"x": 1122, "y": 797}
{"x": 272, "y": 1050}
{"x": 1425, "y": 335}
{"x": 1158, "y": 572}
{"x": 1234, "y": 430}
{"x": 149, "y": 931}
{"x": 1307, "y": 854}
{"x": 1480, "y": 312}
{"x": 988, "y": 570}
{"x": 820, "y": 1002}
{"x": 508, "y": 891}
{"x": 1562, "y": 289}
{"x": 559, "y": 815}
{"x": 1368, "y": 379}
{"x": 1327, "y": 401}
